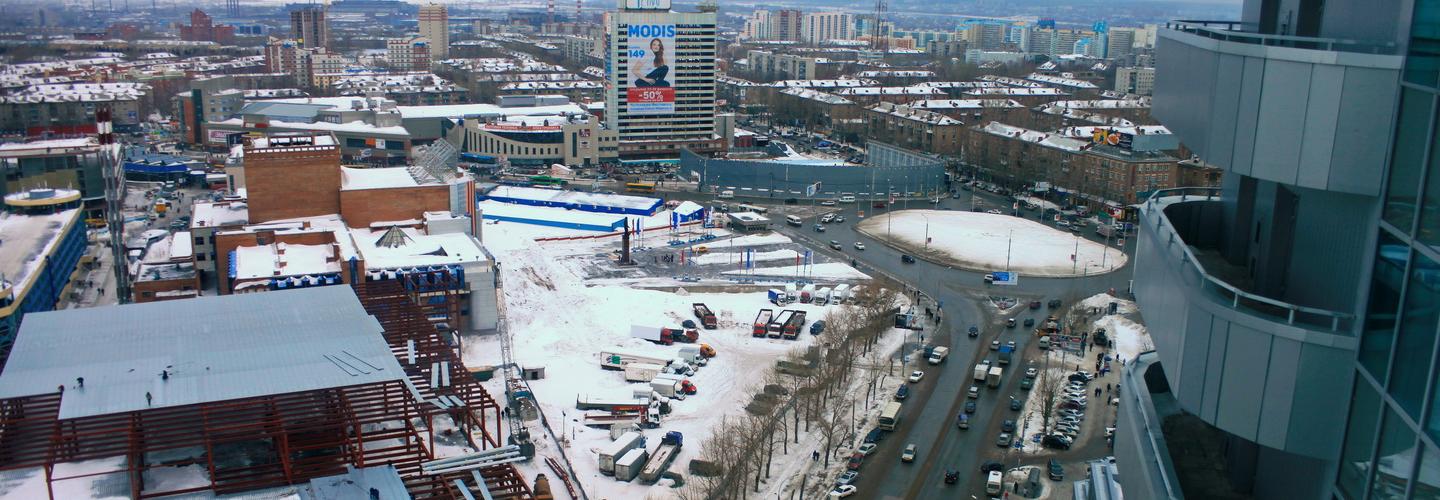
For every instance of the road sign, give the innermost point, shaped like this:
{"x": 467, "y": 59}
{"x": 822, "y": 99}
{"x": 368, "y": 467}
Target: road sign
{"x": 1006, "y": 278}
{"x": 812, "y": 189}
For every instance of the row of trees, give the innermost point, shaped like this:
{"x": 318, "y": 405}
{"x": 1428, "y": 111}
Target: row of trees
{"x": 811, "y": 390}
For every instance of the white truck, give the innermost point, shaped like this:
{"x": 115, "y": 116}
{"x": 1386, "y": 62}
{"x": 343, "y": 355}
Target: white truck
{"x": 980, "y": 371}
{"x": 629, "y": 465}
{"x": 994, "y": 379}
{"x": 642, "y": 372}
{"x": 938, "y": 355}
{"x": 790, "y": 292}
{"x": 841, "y": 294}
{"x": 616, "y": 358}
{"x": 823, "y": 296}
{"x": 618, "y": 448}
{"x": 692, "y": 354}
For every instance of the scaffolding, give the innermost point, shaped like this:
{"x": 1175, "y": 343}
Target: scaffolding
{"x": 283, "y": 439}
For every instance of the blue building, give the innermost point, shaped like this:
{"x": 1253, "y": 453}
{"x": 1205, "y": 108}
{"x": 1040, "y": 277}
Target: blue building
{"x": 43, "y": 241}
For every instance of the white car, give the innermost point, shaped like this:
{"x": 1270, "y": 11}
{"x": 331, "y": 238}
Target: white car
{"x": 916, "y": 375}
{"x": 859, "y": 246}
{"x": 866, "y": 449}
{"x": 828, "y": 203}
{"x": 993, "y": 211}
{"x": 827, "y": 218}
{"x": 843, "y": 491}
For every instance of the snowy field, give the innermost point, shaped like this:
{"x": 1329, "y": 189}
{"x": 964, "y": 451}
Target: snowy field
{"x": 566, "y": 300}
{"x": 979, "y": 241}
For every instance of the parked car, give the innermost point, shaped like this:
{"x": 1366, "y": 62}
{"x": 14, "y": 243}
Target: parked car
{"x": 1054, "y": 303}
{"x": 902, "y": 393}
{"x": 839, "y": 219}
{"x": 906, "y": 258}
{"x": 1003, "y": 440}
{"x": 970, "y": 406}
{"x": 1015, "y": 403}
{"x": 847, "y": 477}
{"x": 866, "y": 449}
{"x": 859, "y": 246}
{"x": 875, "y": 435}
{"x": 1007, "y": 426}
{"x": 818, "y": 327}
{"x": 915, "y": 376}
{"x": 1056, "y": 441}
{"x": 828, "y": 203}
{"x": 843, "y": 491}
{"x": 819, "y": 228}
{"x": 855, "y": 461}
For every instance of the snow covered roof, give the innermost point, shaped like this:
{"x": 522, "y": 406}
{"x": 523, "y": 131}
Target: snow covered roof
{"x": 78, "y": 92}
{"x": 231, "y": 347}
{"x": 1101, "y": 104}
{"x": 27, "y": 242}
{"x": 815, "y": 95}
{"x": 375, "y": 178}
{"x": 895, "y": 73}
{"x": 959, "y": 85}
{"x": 48, "y": 147}
{"x": 1056, "y": 141}
{"x": 1021, "y": 91}
{"x": 575, "y": 198}
{"x": 1089, "y": 131}
{"x": 843, "y": 83}
{"x": 909, "y": 113}
{"x": 913, "y": 90}
{"x": 580, "y": 84}
{"x": 219, "y": 214}
{"x": 283, "y": 259}
{"x": 357, "y": 127}
{"x": 1013, "y": 82}
{"x": 464, "y": 110}
{"x": 1061, "y": 81}
{"x": 965, "y": 104}
{"x": 417, "y": 249}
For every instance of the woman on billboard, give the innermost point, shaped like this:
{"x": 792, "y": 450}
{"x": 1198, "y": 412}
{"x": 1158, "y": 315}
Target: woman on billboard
{"x": 654, "y": 70}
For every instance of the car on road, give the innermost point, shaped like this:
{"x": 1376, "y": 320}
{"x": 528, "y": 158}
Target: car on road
{"x": 843, "y": 491}
{"x": 847, "y": 477}
{"x": 825, "y": 219}
{"x": 970, "y": 406}
{"x": 1011, "y": 345}
{"x": 878, "y": 204}
{"x": 974, "y": 332}
{"x": 1007, "y": 426}
{"x": 836, "y": 245}
{"x": 1015, "y": 403}
{"x": 1029, "y": 322}
{"x": 908, "y": 455}
{"x": 819, "y": 228}
{"x": 906, "y": 258}
{"x": 994, "y": 345}
{"x": 839, "y": 219}
{"x": 1027, "y": 383}
{"x": 1062, "y": 223}
{"x": 856, "y": 459}
{"x": 951, "y": 477}
{"x": 993, "y": 211}
{"x": 1055, "y": 303}
{"x": 902, "y": 393}
{"x": 866, "y": 449}
{"x": 1034, "y": 304}
{"x": 1031, "y": 372}
{"x": 792, "y": 201}
{"x": 1003, "y": 440}
{"x": 828, "y": 203}
{"x": 1010, "y": 323}
{"x": 859, "y": 246}
{"x": 974, "y": 392}
{"x": 1057, "y": 473}
{"x": 915, "y": 376}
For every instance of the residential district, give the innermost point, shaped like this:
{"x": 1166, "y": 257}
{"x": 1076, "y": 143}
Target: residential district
{"x": 621, "y": 250}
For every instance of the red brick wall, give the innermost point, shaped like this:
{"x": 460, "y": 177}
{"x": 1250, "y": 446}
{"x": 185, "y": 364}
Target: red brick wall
{"x": 362, "y": 207}
{"x": 290, "y": 184}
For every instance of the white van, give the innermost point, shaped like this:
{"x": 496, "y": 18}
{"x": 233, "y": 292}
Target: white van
{"x": 847, "y": 198}
{"x": 995, "y": 483}
{"x": 727, "y": 194}
{"x": 793, "y": 220}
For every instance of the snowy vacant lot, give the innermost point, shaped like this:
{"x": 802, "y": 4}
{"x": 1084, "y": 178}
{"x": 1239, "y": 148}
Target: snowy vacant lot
{"x": 979, "y": 241}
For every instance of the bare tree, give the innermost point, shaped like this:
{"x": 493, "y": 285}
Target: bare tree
{"x": 1047, "y": 387}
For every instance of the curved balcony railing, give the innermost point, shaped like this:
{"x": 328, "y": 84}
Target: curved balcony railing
{"x": 1232, "y": 31}
{"x": 1292, "y": 314}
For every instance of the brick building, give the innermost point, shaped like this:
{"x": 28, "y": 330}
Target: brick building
{"x": 203, "y": 29}
{"x": 914, "y": 128}
{"x": 290, "y": 177}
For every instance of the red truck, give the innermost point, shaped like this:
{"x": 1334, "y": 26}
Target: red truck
{"x": 777, "y": 327}
{"x": 664, "y": 336}
{"x": 702, "y": 312}
{"x": 762, "y": 321}
{"x": 794, "y": 326}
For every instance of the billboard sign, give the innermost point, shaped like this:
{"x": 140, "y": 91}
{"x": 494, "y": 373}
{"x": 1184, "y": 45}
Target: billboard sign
{"x": 647, "y": 4}
{"x": 651, "y": 55}
{"x": 218, "y": 136}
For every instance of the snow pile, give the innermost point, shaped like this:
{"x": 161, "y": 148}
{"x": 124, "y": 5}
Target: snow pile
{"x": 1130, "y": 337}
{"x": 987, "y": 242}
{"x": 736, "y": 257}
{"x": 828, "y": 270}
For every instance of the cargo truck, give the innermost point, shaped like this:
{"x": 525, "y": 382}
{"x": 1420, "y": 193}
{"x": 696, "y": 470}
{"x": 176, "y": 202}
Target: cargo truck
{"x": 662, "y": 335}
{"x": 938, "y": 354}
{"x": 662, "y": 458}
{"x": 841, "y": 294}
{"x": 642, "y": 372}
{"x": 629, "y": 465}
{"x": 807, "y": 294}
{"x": 778, "y": 297}
{"x": 697, "y": 355}
{"x": 980, "y": 371}
{"x": 683, "y": 383}
{"x": 616, "y": 358}
{"x": 702, "y": 312}
{"x": 1005, "y": 353}
{"x": 795, "y": 326}
{"x": 823, "y": 296}
{"x": 617, "y": 449}
{"x": 994, "y": 379}
{"x": 762, "y": 322}
{"x": 777, "y": 327}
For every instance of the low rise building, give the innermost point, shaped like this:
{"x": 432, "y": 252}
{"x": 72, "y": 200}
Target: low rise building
{"x": 1135, "y": 80}
{"x": 913, "y": 128}
{"x": 56, "y": 163}
{"x": 541, "y": 141}
{"x": 767, "y": 65}
{"x": 69, "y": 108}
{"x": 207, "y": 218}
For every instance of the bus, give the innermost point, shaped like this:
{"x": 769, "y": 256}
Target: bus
{"x": 640, "y": 187}
{"x": 545, "y": 180}
{"x": 890, "y": 416}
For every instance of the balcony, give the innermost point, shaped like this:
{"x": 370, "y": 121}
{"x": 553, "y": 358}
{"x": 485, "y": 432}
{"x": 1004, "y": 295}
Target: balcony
{"x": 1310, "y": 112}
{"x": 1231, "y": 355}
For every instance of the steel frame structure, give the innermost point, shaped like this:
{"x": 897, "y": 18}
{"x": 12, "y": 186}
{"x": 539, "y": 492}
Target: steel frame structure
{"x": 281, "y": 439}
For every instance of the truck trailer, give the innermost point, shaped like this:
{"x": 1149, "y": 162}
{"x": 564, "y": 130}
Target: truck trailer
{"x": 762, "y": 322}
{"x": 980, "y": 372}
{"x": 629, "y": 465}
{"x": 707, "y": 318}
{"x": 796, "y": 325}
{"x": 777, "y": 327}
{"x": 994, "y": 379}
{"x": 660, "y": 460}
{"x": 616, "y": 449}
{"x": 616, "y": 358}
{"x": 662, "y": 335}
{"x": 642, "y": 372}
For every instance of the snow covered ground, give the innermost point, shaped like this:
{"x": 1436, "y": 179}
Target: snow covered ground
{"x": 565, "y": 301}
{"x": 1131, "y": 338}
{"x": 828, "y": 270}
{"x": 986, "y": 242}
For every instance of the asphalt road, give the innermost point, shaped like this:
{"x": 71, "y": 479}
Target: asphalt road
{"x": 928, "y": 419}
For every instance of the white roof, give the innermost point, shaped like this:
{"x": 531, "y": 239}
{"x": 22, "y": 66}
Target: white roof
{"x": 1020, "y": 91}
{"x": 1062, "y": 81}
{"x": 965, "y": 104}
{"x": 419, "y": 250}
{"x": 915, "y": 90}
{"x": 284, "y": 259}
{"x": 375, "y": 178}
{"x": 26, "y": 240}
{"x": 815, "y": 95}
{"x": 230, "y": 347}
{"x": 908, "y": 113}
{"x": 357, "y": 127}
{"x": 214, "y": 214}
{"x": 464, "y": 110}
{"x": 843, "y": 83}
{"x": 1056, "y": 141}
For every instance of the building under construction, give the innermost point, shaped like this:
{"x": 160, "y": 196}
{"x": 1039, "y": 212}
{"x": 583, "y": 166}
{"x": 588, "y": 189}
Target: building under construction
{"x": 329, "y": 392}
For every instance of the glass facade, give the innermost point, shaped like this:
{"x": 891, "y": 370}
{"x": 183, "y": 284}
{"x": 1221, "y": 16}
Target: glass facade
{"x": 1391, "y": 438}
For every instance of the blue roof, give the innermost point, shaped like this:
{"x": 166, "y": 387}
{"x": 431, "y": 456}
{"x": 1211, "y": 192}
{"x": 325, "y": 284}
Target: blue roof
{"x": 282, "y": 110}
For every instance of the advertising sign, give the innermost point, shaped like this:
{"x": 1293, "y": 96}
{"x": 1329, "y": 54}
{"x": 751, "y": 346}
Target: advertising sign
{"x": 647, "y": 4}
{"x": 217, "y": 136}
{"x": 651, "y": 54}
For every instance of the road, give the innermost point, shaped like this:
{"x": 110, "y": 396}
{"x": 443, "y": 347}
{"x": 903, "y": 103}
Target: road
{"x": 929, "y": 415}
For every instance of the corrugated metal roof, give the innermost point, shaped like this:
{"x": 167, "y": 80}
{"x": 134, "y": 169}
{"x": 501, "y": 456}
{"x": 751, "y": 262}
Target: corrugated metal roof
{"x": 214, "y": 349}
{"x": 356, "y": 484}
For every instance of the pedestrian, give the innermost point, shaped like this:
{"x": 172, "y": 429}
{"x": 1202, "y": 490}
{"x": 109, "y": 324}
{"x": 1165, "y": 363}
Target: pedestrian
{"x": 1097, "y": 392}
{"x": 1107, "y": 388}
{"x": 148, "y": 398}
{"x": 815, "y": 456}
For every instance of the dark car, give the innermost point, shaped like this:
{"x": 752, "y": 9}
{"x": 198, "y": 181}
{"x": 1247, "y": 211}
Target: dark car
{"x": 991, "y": 466}
{"x": 1026, "y": 383}
{"x": 1029, "y": 322}
{"x": 951, "y": 477}
{"x": 906, "y": 258}
{"x": 1057, "y": 473}
{"x": 902, "y": 392}
{"x": 970, "y": 406}
{"x": 1076, "y": 377}
{"x": 689, "y": 324}
{"x": 1034, "y": 304}
{"x": 878, "y": 204}
{"x": 1055, "y": 303}
{"x": 875, "y": 435}
{"x": 1010, "y": 323}
{"x": 974, "y": 332}
{"x": 1015, "y": 403}
{"x": 792, "y": 201}
{"x": 1056, "y": 441}
{"x": 1007, "y": 426}
{"x": 818, "y": 327}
